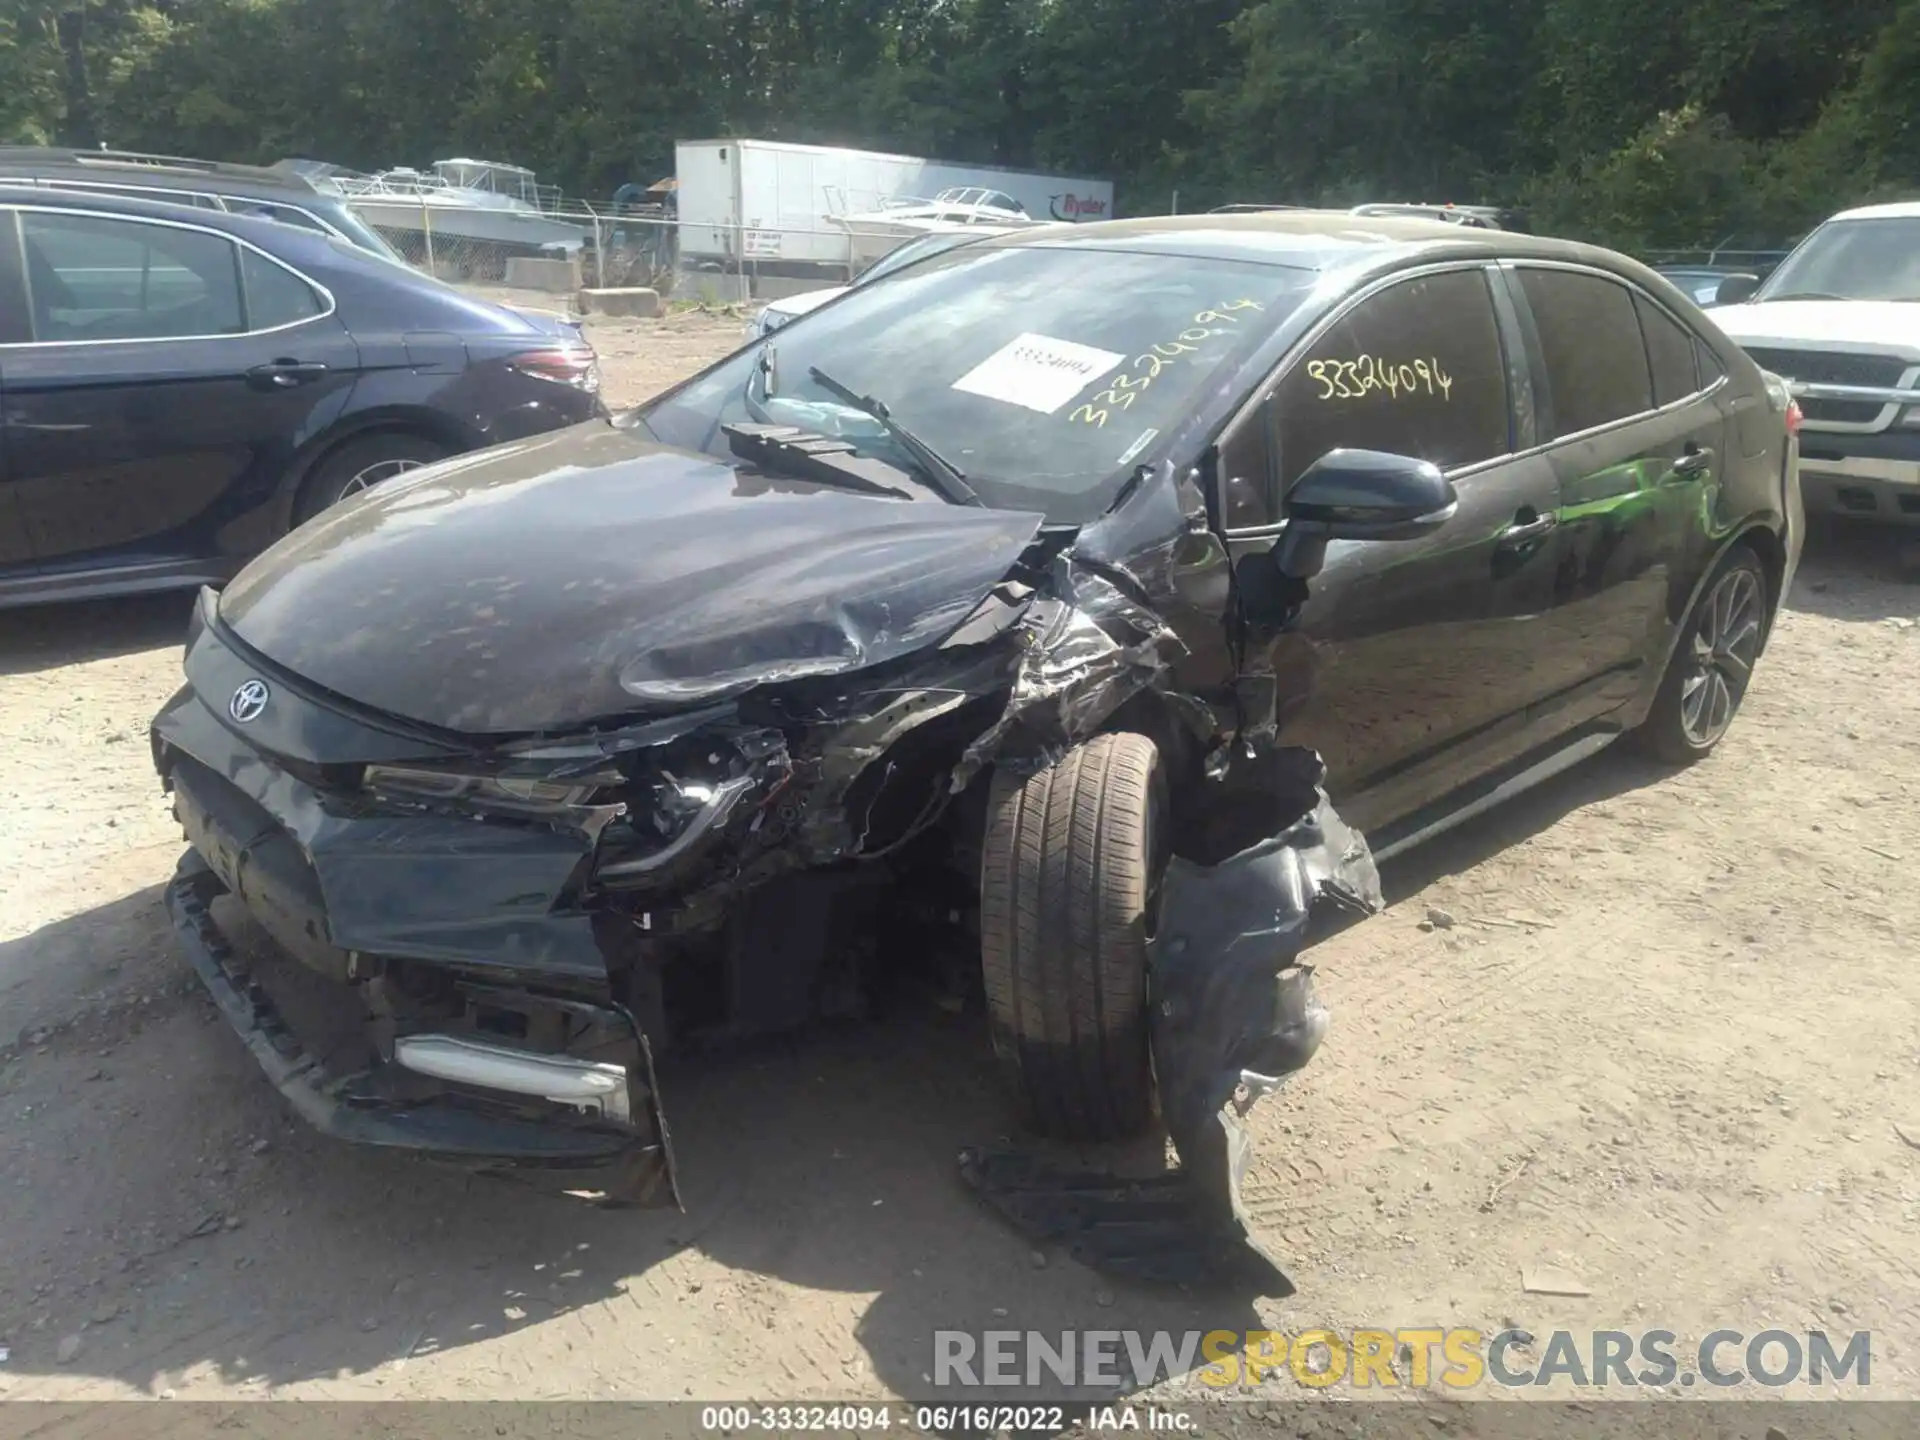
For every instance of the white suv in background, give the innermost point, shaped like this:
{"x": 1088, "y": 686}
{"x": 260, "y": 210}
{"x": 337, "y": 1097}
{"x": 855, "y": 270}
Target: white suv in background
{"x": 1840, "y": 320}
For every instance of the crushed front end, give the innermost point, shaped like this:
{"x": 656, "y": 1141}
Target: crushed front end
{"x": 488, "y": 939}
{"x": 479, "y": 950}
{"x": 434, "y": 979}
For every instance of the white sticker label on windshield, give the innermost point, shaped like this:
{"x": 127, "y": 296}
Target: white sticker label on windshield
{"x": 1038, "y": 372}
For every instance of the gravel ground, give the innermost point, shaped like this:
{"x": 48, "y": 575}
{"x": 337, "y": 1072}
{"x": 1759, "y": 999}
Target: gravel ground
{"x": 1657, "y": 1031}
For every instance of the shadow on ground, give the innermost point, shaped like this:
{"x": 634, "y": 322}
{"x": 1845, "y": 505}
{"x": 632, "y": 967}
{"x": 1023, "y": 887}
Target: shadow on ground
{"x": 1618, "y": 770}
{"x": 1854, "y": 570}
{"x": 826, "y": 1164}
{"x": 163, "y": 1185}
{"x": 46, "y": 637}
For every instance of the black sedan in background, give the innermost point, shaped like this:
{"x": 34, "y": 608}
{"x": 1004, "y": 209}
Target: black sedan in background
{"x": 180, "y": 387}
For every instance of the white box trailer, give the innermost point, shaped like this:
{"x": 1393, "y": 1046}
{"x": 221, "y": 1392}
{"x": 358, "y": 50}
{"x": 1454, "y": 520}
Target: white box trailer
{"x": 767, "y": 201}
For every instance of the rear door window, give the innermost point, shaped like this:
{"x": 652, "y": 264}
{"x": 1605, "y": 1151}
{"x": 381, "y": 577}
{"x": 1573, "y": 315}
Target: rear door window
{"x": 1416, "y": 369}
{"x": 275, "y": 295}
{"x": 92, "y": 277}
{"x": 1590, "y": 338}
{"x": 1669, "y": 353}
{"x": 1710, "y": 367}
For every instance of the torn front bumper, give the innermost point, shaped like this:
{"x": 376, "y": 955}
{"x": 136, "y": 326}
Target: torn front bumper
{"x": 522, "y": 1054}
{"x": 345, "y": 1107}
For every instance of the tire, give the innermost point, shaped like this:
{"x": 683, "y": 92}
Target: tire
{"x": 1070, "y": 872}
{"x": 360, "y": 465}
{"x": 1712, "y": 665}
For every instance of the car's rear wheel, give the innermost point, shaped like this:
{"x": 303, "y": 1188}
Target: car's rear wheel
{"x": 360, "y": 465}
{"x": 1069, "y": 889}
{"x": 1713, "y": 664}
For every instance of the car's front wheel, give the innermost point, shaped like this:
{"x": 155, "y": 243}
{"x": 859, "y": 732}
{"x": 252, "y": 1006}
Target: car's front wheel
{"x": 1069, "y": 885}
{"x": 1710, "y": 670}
{"x": 360, "y": 465}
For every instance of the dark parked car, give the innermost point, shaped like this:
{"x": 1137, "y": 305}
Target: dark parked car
{"x": 1700, "y": 283}
{"x": 271, "y": 193}
{"x": 1070, "y": 623}
{"x": 180, "y": 387}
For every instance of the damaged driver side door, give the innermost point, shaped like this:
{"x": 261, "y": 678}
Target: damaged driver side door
{"x": 1412, "y": 663}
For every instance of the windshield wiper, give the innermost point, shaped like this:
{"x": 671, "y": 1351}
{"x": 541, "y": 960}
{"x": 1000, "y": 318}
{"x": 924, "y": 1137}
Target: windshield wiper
{"x": 1802, "y": 295}
{"x": 766, "y": 367}
{"x": 947, "y": 477}
{"x": 823, "y": 459}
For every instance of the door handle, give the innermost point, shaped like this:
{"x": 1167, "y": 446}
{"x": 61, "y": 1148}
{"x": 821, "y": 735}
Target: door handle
{"x": 1694, "y": 460}
{"x": 1527, "y": 526}
{"x": 285, "y": 374}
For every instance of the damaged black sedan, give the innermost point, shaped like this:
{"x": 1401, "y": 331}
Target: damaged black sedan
{"x": 1072, "y": 572}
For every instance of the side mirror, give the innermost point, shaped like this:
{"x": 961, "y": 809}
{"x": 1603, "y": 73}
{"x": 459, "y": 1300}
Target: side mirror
{"x": 1371, "y": 495}
{"x": 1736, "y": 288}
{"x": 1361, "y": 495}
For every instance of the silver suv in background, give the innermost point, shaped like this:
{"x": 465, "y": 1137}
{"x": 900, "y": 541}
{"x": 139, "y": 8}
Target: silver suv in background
{"x": 278, "y": 193}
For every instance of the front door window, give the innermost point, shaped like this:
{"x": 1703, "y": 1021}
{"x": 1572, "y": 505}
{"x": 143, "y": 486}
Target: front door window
{"x": 1415, "y": 370}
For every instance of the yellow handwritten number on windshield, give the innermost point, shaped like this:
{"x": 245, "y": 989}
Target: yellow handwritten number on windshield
{"x": 1126, "y": 388}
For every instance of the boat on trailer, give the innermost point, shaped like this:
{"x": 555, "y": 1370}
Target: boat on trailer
{"x": 479, "y": 200}
{"x": 876, "y": 232}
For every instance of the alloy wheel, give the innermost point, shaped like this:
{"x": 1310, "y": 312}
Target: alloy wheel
{"x": 1726, "y": 641}
{"x": 376, "y": 474}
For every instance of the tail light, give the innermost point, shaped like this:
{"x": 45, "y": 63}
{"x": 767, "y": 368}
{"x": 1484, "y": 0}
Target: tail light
{"x": 573, "y": 365}
{"x": 1793, "y": 417}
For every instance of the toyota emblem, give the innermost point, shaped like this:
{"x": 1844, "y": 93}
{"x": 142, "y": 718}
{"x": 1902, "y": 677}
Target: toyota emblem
{"x": 248, "y": 701}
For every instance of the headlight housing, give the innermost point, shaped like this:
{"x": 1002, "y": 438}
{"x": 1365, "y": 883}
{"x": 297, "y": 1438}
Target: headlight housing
{"x": 502, "y": 794}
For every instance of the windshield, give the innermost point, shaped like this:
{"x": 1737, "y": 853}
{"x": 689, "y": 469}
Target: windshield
{"x": 1045, "y": 374}
{"x": 915, "y": 251}
{"x": 1852, "y": 260}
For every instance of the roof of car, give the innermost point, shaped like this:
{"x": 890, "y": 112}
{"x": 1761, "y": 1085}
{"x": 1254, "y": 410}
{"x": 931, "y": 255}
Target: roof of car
{"x": 1897, "y": 210}
{"x": 256, "y": 229}
{"x": 119, "y": 167}
{"x": 1312, "y": 239}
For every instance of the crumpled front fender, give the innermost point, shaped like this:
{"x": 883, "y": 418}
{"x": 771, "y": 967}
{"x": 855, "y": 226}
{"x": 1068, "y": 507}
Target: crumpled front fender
{"x": 1233, "y": 1012}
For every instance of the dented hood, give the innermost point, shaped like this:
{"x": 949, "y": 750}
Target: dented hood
{"x": 591, "y": 572}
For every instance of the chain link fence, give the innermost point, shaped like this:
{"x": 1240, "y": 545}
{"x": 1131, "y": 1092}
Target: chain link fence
{"x": 582, "y": 246}
{"x": 479, "y": 245}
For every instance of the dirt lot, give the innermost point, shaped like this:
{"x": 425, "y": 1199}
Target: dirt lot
{"x": 1664, "y": 1037}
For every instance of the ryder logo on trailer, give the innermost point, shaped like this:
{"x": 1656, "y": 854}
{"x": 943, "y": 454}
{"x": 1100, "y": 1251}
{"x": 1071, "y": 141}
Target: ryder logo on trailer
{"x": 1076, "y": 207}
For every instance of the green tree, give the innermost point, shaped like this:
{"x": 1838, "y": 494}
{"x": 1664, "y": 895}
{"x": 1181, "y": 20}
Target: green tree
{"x": 1350, "y": 100}
{"x": 31, "y": 106}
{"x": 1633, "y": 121}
